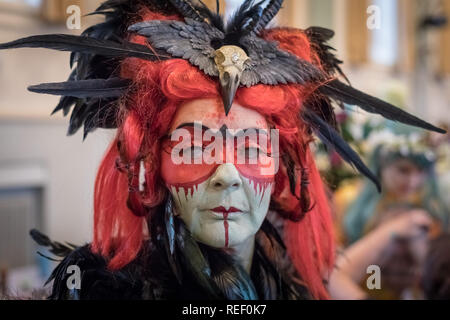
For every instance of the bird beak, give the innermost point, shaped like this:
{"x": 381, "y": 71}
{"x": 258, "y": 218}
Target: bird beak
{"x": 231, "y": 63}
{"x": 229, "y": 81}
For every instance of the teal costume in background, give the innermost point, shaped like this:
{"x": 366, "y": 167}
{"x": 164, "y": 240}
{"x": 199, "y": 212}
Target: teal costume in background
{"x": 364, "y": 208}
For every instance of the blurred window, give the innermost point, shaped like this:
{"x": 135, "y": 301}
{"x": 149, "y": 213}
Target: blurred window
{"x": 32, "y": 3}
{"x": 384, "y": 46}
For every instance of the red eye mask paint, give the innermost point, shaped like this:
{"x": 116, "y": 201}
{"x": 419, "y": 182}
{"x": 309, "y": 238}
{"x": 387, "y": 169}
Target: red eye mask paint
{"x": 252, "y": 160}
{"x": 249, "y": 156}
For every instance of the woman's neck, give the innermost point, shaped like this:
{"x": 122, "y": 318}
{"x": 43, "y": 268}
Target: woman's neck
{"x": 244, "y": 253}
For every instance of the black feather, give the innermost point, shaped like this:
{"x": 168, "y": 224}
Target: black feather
{"x": 349, "y": 95}
{"x": 243, "y": 16}
{"x": 272, "y": 234}
{"x": 319, "y": 37}
{"x": 97, "y": 281}
{"x": 265, "y": 274}
{"x": 104, "y": 115}
{"x": 63, "y": 42}
{"x": 56, "y": 248}
{"x": 271, "y": 10}
{"x": 188, "y": 10}
{"x": 65, "y": 103}
{"x": 195, "y": 262}
{"x": 78, "y": 116}
{"x": 229, "y": 276}
{"x": 246, "y": 20}
{"x": 111, "y": 4}
{"x": 98, "y": 88}
{"x": 213, "y": 18}
{"x": 332, "y": 139}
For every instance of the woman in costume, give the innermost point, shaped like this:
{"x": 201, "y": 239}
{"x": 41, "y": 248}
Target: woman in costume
{"x": 223, "y": 229}
{"x": 405, "y": 166}
{"x": 393, "y": 229}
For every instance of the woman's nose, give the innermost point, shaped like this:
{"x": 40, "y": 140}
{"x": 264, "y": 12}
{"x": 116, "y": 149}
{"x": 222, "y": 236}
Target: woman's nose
{"x": 226, "y": 177}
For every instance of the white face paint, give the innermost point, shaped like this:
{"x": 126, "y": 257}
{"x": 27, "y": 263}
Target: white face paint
{"x": 225, "y": 210}
{"x": 223, "y": 205}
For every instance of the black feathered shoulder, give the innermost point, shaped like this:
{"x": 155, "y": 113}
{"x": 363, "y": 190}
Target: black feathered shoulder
{"x": 152, "y": 275}
{"x": 97, "y": 282}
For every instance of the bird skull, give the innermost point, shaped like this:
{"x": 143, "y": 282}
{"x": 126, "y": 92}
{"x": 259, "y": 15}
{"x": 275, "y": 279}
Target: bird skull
{"x": 230, "y": 61}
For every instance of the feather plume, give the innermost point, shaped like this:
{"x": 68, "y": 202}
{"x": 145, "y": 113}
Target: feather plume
{"x": 347, "y": 94}
{"x": 332, "y": 139}
{"x": 188, "y": 10}
{"x": 82, "y": 44}
{"x": 319, "y": 37}
{"x": 98, "y": 88}
{"x": 271, "y": 10}
{"x": 56, "y": 248}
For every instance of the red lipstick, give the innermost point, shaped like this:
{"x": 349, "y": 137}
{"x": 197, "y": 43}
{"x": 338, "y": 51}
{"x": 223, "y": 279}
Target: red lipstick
{"x": 225, "y": 211}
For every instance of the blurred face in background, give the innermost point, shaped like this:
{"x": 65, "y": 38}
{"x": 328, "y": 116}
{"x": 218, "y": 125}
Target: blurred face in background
{"x": 403, "y": 178}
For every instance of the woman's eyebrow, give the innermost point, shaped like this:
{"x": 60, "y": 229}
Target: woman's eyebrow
{"x": 193, "y": 125}
{"x": 223, "y": 128}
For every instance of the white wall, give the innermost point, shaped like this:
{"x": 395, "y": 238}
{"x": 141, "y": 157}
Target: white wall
{"x": 70, "y": 166}
{"x": 28, "y": 135}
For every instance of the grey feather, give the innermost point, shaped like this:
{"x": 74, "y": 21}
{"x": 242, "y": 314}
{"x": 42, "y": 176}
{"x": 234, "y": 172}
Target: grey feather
{"x": 270, "y": 65}
{"x": 190, "y": 40}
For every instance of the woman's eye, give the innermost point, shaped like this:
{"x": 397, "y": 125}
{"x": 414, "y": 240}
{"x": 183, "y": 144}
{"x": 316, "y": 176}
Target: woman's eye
{"x": 250, "y": 152}
{"x": 194, "y": 152}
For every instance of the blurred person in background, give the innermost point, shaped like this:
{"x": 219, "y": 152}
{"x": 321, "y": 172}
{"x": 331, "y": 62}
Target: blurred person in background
{"x": 392, "y": 229}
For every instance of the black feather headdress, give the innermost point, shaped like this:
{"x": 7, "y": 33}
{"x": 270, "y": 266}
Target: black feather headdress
{"x": 234, "y": 52}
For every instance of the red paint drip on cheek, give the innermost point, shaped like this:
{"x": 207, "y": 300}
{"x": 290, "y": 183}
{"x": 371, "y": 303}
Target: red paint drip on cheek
{"x": 263, "y": 183}
{"x": 187, "y": 190}
{"x": 190, "y": 186}
{"x": 226, "y": 226}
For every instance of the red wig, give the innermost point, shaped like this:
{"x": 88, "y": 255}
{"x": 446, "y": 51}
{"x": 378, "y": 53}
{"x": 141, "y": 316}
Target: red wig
{"x": 159, "y": 88}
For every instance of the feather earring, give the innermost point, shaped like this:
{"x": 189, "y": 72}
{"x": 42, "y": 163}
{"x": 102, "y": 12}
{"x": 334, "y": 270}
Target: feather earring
{"x": 169, "y": 237}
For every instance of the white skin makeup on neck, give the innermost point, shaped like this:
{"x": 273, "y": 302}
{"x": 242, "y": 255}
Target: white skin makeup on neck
{"x": 223, "y": 205}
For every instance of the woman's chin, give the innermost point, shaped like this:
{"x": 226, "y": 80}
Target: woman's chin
{"x": 220, "y": 241}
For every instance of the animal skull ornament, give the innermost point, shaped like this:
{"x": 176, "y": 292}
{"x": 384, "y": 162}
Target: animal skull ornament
{"x": 231, "y": 63}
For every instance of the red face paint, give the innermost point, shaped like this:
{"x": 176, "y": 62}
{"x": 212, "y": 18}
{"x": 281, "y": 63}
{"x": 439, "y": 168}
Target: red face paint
{"x": 226, "y": 214}
{"x": 225, "y": 225}
{"x": 250, "y": 158}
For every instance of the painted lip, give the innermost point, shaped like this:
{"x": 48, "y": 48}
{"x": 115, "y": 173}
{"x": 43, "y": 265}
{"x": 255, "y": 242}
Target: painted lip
{"x": 222, "y": 213}
{"x": 223, "y": 210}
